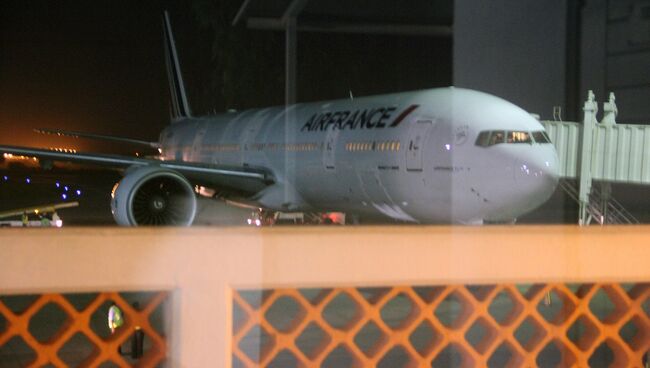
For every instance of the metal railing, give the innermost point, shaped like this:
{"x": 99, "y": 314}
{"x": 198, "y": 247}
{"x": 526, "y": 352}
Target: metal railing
{"x": 604, "y": 209}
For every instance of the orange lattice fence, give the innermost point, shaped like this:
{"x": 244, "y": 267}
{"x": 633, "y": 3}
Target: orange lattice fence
{"x": 63, "y": 330}
{"x": 546, "y": 325}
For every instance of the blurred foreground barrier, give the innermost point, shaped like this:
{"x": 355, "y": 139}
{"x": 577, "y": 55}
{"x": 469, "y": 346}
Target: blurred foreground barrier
{"x": 72, "y": 330}
{"x": 541, "y": 325}
{"x": 439, "y": 296}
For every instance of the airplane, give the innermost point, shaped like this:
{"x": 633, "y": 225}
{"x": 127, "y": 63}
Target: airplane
{"x": 444, "y": 155}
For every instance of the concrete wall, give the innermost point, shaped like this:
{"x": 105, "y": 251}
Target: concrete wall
{"x": 624, "y": 64}
{"x": 593, "y": 49}
{"x": 513, "y": 49}
{"x": 518, "y": 50}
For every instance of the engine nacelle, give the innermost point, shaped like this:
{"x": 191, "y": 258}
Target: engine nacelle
{"x": 152, "y": 196}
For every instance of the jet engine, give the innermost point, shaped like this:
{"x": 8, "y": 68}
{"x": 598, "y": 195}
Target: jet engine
{"x": 152, "y": 196}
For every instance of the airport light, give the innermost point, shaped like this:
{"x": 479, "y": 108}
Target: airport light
{"x": 78, "y": 192}
{"x": 5, "y": 178}
{"x": 57, "y": 184}
{"x": 28, "y": 180}
{"x": 66, "y": 188}
{"x": 64, "y": 196}
{"x": 63, "y": 150}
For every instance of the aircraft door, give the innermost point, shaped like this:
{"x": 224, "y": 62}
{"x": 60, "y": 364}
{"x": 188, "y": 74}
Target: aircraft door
{"x": 329, "y": 151}
{"x": 415, "y": 146}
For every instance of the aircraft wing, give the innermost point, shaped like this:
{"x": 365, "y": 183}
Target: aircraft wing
{"x": 37, "y": 209}
{"x": 75, "y": 134}
{"x": 247, "y": 180}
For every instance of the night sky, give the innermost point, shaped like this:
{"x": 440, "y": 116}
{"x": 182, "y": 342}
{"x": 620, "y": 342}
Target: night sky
{"x": 98, "y": 67}
{"x": 90, "y": 66}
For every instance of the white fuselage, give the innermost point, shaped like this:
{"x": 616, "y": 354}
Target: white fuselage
{"x": 410, "y": 156}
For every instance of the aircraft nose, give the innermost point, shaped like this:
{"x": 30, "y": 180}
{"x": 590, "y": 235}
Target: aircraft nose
{"x": 537, "y": 173}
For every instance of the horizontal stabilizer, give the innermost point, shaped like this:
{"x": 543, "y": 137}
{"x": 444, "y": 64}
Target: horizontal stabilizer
{"x": 69, "y": 133}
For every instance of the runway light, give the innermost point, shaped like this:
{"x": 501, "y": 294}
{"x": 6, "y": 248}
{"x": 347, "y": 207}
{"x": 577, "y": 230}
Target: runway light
{"x": 64, "y": 196}
{"x": 57, "y": 184}
{"x": 78, "y": 191}
{"x": 28, "y": 180}
{"x": 66, "y": 188}
{"x": 5, "y": 178}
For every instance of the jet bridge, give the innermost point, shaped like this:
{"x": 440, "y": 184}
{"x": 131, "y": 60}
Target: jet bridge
{"x": 602, "y": 151}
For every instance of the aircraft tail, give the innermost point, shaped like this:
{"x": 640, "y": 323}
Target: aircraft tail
{"x": 180, "y": 108}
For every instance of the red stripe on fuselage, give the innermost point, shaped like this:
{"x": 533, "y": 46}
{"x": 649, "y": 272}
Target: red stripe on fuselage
{"x": 403, "y": 115}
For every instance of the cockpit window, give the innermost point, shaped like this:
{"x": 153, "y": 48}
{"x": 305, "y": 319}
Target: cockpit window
{"x": 491, "y": 137}
{"x": 541, "y": 137}
{"x": 497, "y": 136}
{"x": 483, "y": 139}
{"x": 519, "y": 137}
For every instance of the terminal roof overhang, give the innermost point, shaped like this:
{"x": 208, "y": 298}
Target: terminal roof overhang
{"x": 432, "y": 18}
